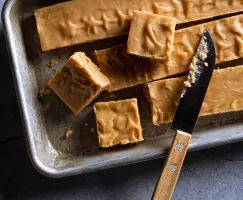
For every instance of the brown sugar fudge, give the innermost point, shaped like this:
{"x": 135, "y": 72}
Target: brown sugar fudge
{"x": 151, "y": 36}
{"x": 81, "y": 21}
{"x": 125, "y": 70}
{"x": 78, "y": 82}
{"x": 118, "y": 122}
{"x": 227, "y": 35}
{"x": 224, "y": 94}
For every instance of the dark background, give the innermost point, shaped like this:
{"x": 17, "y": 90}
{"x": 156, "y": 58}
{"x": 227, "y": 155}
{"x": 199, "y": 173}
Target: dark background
{"x": 215, "y": 173}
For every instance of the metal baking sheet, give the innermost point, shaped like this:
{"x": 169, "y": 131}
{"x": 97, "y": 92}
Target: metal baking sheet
{"x": 46, "y": 120}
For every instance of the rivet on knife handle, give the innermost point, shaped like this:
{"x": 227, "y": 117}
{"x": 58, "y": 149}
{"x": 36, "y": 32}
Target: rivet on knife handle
{"x": 172, "y": 168}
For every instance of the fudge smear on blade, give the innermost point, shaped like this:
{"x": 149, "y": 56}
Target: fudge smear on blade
{"x": 201, "y": 54}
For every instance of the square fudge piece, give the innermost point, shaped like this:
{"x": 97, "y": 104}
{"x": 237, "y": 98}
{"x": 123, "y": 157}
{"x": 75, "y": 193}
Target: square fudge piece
{"x": 118, "y": 122}
{"x": 151, "y": 36}
{"x": 78, "y": 82}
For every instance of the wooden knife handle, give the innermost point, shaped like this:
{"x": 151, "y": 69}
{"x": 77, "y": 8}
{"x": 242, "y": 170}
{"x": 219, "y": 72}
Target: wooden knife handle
{"x": 172, "y": 168}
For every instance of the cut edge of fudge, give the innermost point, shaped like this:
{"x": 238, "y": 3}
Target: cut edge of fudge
{"x": 148, "y": 97}
{"x": 158, "y": 115}
{"x": 132, "y": 138}
{"x": 92, "y": 71}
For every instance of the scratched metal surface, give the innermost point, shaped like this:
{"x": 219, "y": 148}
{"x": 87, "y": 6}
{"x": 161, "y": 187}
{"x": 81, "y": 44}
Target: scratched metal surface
{"x": 46, "y": 120}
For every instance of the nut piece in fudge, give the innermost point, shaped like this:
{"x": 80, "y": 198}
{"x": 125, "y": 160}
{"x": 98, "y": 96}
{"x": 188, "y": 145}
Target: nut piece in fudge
{"x": 118, "y": 122}
{"x": 78, "y": 82}
{"x": 151, "y": 36}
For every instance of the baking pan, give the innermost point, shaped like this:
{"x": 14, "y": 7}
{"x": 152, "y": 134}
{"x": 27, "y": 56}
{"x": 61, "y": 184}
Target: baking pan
{"x": 46, "y": 119}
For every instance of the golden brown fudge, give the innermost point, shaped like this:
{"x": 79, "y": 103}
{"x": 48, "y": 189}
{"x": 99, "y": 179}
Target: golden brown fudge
{"x": 125, "y": 70}
{"x": 151, "y": 36}
{"x": 81, "y": 21}
{"x": 118, "y": 122}
{"x": 227, "y": 35}
{"x": 225, "y": 94}
{"x": 78, "y": 82}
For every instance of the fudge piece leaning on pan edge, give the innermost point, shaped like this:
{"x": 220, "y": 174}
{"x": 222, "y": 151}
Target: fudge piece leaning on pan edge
{"x": 78, "y": 82}
{"x": 81, "y": 21}
{"x": 125, "y": 70}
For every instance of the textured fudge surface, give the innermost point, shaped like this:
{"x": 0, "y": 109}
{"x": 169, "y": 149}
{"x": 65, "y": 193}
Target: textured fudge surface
{"x": 224, "y": 94}
{"x": 125, "y": 70}
{"x": 81, "y": 21}
{"x": 118, "y": 122}
{"x": 151, "y": 36}
{"x": 78, "y": 82}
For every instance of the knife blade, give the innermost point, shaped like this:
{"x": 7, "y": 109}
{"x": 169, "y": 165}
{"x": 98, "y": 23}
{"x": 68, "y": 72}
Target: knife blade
{"x": 192, "y": 96}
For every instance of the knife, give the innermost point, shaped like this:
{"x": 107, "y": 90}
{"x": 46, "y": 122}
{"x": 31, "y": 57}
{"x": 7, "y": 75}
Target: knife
{"x": 192, "y": 96}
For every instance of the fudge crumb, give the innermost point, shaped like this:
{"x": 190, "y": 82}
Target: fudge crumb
{"x": 192, "y": 67}
{"x": 187, "y": 84}
{"x": 202, "y": 55}
{"x": 206, "y": 64}
{"x": 52, "y": 63}
{"x": 86, "y": 124}
{"x": 92, "y": 130}
{"x": 204, "y": 46}
{"x": 69, "y": 133}
{"x": 44, "y": 92}
{"x": 193, "y": 78}
{"x": 194, "y": 61}
{"x": 41, "y": 93}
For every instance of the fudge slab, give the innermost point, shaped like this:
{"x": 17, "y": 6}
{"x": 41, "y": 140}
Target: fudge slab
{"x": 227, "y": 35}
{"x": 81, "y": 21}
{"x": 151, "y": 36}
{"x": 118, "y": 122}
{"x": 225, "y": 94}
{"x": 125, "y": 70}
{"x": 78, "y": 82}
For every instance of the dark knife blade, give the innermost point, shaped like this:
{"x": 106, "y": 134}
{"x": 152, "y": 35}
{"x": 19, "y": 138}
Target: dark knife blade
{"x": 198, "y": 79}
